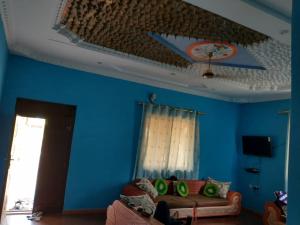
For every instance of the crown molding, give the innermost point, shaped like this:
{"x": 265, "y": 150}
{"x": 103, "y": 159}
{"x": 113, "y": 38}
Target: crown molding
{"x": 142, "y": 80}
{"x": 6, "y": 20}
{"x": 262, "y": 19}
{"x": 20, "y": 51}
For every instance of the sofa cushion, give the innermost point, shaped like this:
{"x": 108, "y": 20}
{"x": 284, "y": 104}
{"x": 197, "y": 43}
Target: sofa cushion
{"x": 182, "y": 188}
{"x": 175, "y": 202}
{"x": 132, "y": 190}
{"x": 211, "y": 190}
{"x": 146, "y": 185}
{"x": 161, "y": 186}
{"x": 202, "y": 201}
{"x": 141, "y": 202}
{"x": 223, "y": 187}
{"x": 195, "y": 186}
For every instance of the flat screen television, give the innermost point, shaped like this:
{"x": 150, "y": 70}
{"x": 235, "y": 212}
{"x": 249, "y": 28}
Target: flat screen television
{"x": 257, "y": 145}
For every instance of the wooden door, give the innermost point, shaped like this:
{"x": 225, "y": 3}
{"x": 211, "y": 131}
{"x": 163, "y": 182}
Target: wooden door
{"x": 55, "y": 152}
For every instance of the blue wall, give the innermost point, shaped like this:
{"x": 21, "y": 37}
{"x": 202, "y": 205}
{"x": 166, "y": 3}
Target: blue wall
{"x": 106, "y": 129}
{"x": 262, "y": 119}
{"x": 294, "y": 169}
{"x": 3, "y": 57}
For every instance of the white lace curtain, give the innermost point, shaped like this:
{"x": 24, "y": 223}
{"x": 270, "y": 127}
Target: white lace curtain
{"x": 169, "y": 143}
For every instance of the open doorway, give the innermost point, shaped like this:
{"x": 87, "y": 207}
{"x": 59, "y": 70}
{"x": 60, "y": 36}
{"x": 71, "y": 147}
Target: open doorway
{"x": 24, "y": 164}
{"x": 37, "y": 163}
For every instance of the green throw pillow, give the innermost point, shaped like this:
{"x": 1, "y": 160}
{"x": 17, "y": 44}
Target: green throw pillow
{"x": 182, "y": 188}
{"x": 161, "y": 186}
{"x": 211, "y": 190}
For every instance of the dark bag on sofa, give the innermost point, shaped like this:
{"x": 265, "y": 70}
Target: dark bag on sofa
{"x": 162, "y": 214}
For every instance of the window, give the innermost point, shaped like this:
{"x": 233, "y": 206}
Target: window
{"x": 168, "y": 143}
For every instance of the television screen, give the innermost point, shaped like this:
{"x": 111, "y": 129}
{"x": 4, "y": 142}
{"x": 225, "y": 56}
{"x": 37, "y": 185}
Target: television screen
{"x": 257, "y": 145}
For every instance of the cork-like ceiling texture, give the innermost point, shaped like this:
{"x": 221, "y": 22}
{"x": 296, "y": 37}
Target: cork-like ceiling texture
{"x": 123, "y": 25}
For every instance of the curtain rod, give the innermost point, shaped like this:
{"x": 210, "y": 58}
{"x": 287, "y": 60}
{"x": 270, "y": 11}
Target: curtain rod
{"x": 173, "y": 107}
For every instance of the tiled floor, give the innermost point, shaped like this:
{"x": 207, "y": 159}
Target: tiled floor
{"x": 55, "y": 220}
{"x": 245, "y": 218}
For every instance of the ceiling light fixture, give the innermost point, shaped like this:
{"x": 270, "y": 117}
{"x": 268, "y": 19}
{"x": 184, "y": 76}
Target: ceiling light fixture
{"x": 208, "y": 73}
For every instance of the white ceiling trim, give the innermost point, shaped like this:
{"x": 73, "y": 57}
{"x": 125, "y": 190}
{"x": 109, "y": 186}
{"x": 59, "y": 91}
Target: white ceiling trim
{"x": 260, "y": 20}
{"x": 7, "y": 23}
{"x": 261, "y": 4}
{"x": 18, "y": 50}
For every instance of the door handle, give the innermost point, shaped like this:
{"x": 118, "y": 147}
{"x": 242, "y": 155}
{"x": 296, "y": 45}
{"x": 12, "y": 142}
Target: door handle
{"x": 6, "y": 159}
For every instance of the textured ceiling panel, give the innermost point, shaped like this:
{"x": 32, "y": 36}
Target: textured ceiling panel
{"x": 123, "y": 25}
{"x": 274, "y": 56}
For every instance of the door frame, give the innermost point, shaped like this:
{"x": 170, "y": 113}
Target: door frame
{"x": 7, "y": 165}
{"x": 11, "y": 136}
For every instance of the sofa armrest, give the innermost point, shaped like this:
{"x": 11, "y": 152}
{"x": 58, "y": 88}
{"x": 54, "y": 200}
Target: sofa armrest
{"x": 272, "y": 214}
{"x": 132, "y": 190}
{"x": 235, "y": 199}
{"x": 120, "y": 214}
{"x": 233, "y": 194}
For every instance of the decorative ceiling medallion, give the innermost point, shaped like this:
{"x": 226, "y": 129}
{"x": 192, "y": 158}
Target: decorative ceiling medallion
{"x": 199, "y": 51}
{"x": 124, "y": 25}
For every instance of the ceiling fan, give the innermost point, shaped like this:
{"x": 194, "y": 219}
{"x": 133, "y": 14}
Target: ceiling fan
{"x": 208, "y": 73}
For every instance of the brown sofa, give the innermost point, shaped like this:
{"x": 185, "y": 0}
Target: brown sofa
{"x": 272, "y": 215}
{"x": 196, "y": 204}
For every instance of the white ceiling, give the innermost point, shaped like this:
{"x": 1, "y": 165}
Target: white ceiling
{"x": 29, "y": 30}
{"x": 278, "y": 6}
